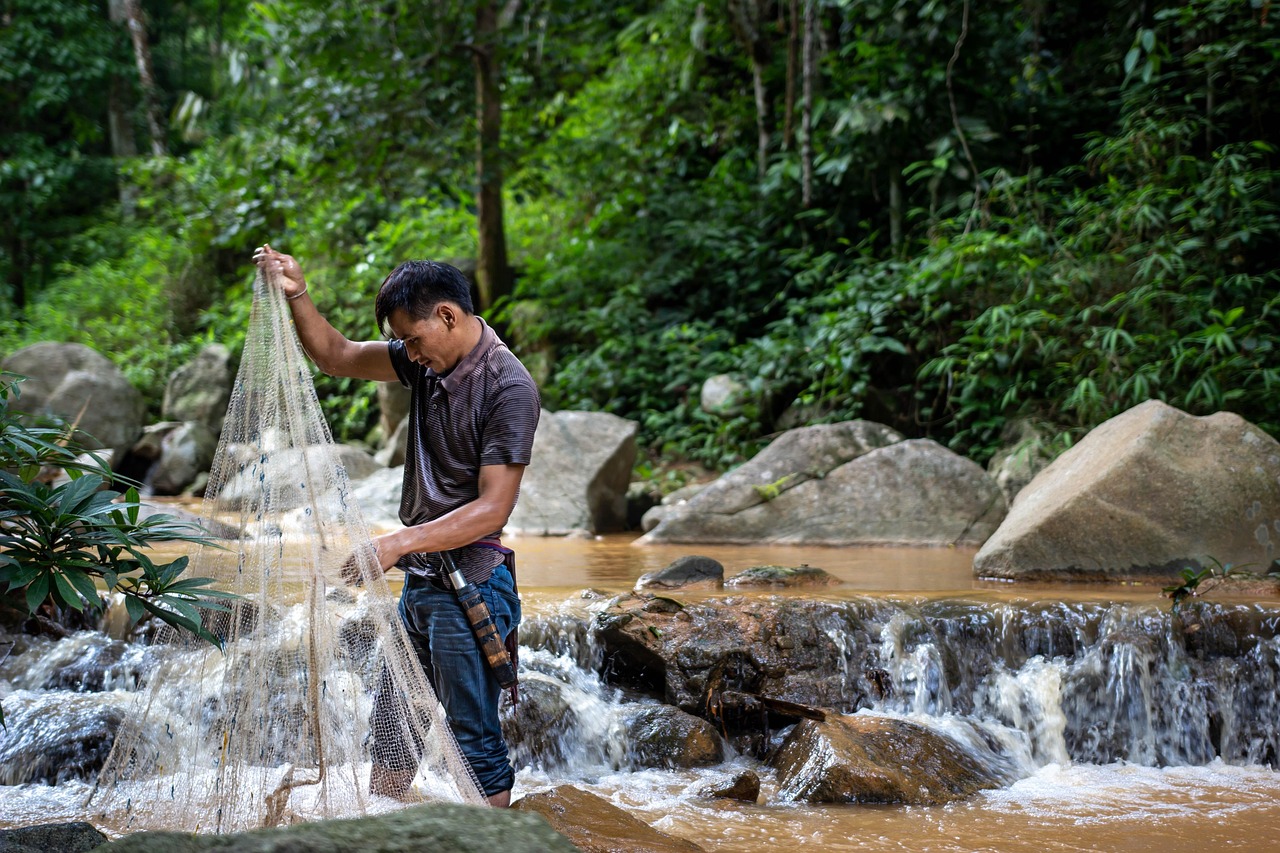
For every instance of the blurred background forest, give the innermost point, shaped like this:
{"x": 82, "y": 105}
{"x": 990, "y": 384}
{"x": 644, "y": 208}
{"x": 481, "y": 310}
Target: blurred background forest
{"x": 949, "y": 217}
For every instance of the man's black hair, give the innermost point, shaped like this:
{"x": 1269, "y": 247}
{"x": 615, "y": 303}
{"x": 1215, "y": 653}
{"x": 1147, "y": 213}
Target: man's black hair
{"x": 417, "y": 287}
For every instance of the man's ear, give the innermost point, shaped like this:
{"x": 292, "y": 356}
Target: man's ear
{"x": 447, "y": 314}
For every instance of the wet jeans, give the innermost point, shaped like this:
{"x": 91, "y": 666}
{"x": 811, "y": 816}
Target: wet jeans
{"x": 459, "y": 672}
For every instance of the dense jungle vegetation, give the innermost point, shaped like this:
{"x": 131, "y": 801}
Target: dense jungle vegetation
{"x": 945, "y": 216}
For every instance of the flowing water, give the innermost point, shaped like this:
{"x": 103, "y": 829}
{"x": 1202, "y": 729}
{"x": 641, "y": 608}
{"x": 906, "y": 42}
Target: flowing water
{"x": 1114, "y": 731}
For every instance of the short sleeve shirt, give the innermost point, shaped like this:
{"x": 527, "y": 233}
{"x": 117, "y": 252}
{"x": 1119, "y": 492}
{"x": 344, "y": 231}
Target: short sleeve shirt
{"x": 482, "y": 412}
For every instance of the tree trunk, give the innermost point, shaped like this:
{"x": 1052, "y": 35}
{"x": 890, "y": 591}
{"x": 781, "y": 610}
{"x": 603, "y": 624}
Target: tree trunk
{"x": 124, "y": 143}
{"x": 806, "y": 116}
{"x": 132, "y": 10}
{"x": 747, "y": 18}
{"x": 493, "y": 275}
{"x": 895, "y": 207}
{"x": 793, "y": 51}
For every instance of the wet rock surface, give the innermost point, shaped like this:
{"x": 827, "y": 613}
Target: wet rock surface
{"x": 437, "y": 827}
{"x": 864, "y": 759}
{"x": 72, "y": 837}
{"x": 595, "y": 825}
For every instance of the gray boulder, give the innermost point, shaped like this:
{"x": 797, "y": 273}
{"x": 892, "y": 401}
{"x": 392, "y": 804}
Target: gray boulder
{"x": 393, "y": 452}
{"x": 1025, "y": 454}
{"x": 1144, "y": 495}
{"x": 200, "y": 390}
{"x": 723, "y": 395}
{"x": 393, "y": 408}
{"x": 854, "y": 483}
{"x": 81, "y": 386}
{"x": 378, "y": 497}
{"x": 579, "y": 475}
{"x": 185, "y": 452}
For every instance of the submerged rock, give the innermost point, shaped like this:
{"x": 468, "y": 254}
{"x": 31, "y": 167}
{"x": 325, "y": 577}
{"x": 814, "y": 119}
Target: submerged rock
{"x": 745, "y": 787}
{"x": 596, "y": 826}
{"x": 688, "y": 572}
{"x": 782, "y": 576}
{"x": 865, "y": 759}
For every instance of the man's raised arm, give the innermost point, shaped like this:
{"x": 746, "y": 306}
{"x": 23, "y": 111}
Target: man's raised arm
{"x": 326, "y": 346}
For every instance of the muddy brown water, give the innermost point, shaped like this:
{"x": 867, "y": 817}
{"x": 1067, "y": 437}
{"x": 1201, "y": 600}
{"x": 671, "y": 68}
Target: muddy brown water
{"x": 1077, "y": 807}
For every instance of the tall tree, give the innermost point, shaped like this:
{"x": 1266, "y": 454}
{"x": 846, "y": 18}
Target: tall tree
{"x": 134, "y": 20}
{"x": 493, "y": 272}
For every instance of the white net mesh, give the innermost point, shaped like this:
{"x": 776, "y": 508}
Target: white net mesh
{"x": 279, "y": 727}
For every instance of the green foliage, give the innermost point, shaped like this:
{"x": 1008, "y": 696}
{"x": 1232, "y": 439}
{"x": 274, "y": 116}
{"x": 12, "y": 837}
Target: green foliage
{"x": 57, "y": 542}
{"x": 1033, "y": 212}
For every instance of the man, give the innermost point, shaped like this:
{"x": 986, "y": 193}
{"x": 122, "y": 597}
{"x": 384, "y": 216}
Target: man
{"x": 473, "y": 412}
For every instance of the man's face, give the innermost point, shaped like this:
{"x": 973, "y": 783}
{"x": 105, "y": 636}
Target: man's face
{"x": 426, "y": 342}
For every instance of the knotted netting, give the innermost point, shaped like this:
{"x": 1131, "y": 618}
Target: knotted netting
{"x": 278, "y": 727}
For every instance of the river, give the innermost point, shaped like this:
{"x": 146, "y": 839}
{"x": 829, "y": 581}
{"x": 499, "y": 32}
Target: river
{"x": 1060, "y": 806}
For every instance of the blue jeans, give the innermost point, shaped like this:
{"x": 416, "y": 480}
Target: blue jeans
{"x": 458, "y": 671}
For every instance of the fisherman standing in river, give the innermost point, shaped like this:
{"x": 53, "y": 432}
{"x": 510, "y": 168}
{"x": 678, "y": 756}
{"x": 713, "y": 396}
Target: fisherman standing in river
{"x": 473, "y": 412}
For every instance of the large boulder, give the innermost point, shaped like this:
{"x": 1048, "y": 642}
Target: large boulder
{"x": 716, "y": 658}
{"x": 81, "y": 386}
{"x": 663, "y": 736}
{"x": 579, "y": 475}
{"x": 853, "y": 483}
{"x": 871, "y": 759}
{"x": 200, "y": 390}
{"x": 1144, "y": 495}
{"x": 52, "y": 738}
{"x": 595, "y": 825}
{"x": 72, "y": 837}
{"x": 185, "y": 452}
{"x": 378, "y": 497}
{"x": 438, "y": 827}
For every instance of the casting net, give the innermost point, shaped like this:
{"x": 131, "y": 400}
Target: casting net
{"x": 279, "y": 726}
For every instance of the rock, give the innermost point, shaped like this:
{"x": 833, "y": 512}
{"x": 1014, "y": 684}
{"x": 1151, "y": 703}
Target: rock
{"x": 663, "y": 736}
{"x": 723, "y": 395}
{"x": 578, "y": 478}
{"x": 392, "y": 455}
{"x": 287, "y": 470}
{"x": 782, "y": 576}
{"x": 712, "y": 658}
{"x": 52, "y": 738}
{"x": 81, "y": 386}
{"x": 854, "y": 483}
{"x": 74, "y": 837}
{"x": 687, "y": 572}
{"x": 536, "y": 728}
{"x": 1025, "y": 454}
{"x": 745, "y": 787}
{"x": 357, "y": 462}
{"x": 671, "y": 503}
{"x": 596, "y": 826}
{"x": 200, "y": 390}
{"x": 378, "y": 497}
{"x": 867, "y": 759}
{"x": 642, "y": 496}
{"x": 393, "y": 409}
{"x": 185, "y": 452}
{"x": 1142, "y": 496}
{"x": 438, "y": 827}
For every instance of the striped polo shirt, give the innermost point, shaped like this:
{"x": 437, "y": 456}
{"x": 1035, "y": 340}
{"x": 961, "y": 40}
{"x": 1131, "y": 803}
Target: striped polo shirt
{"x": 482, "y": 412}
